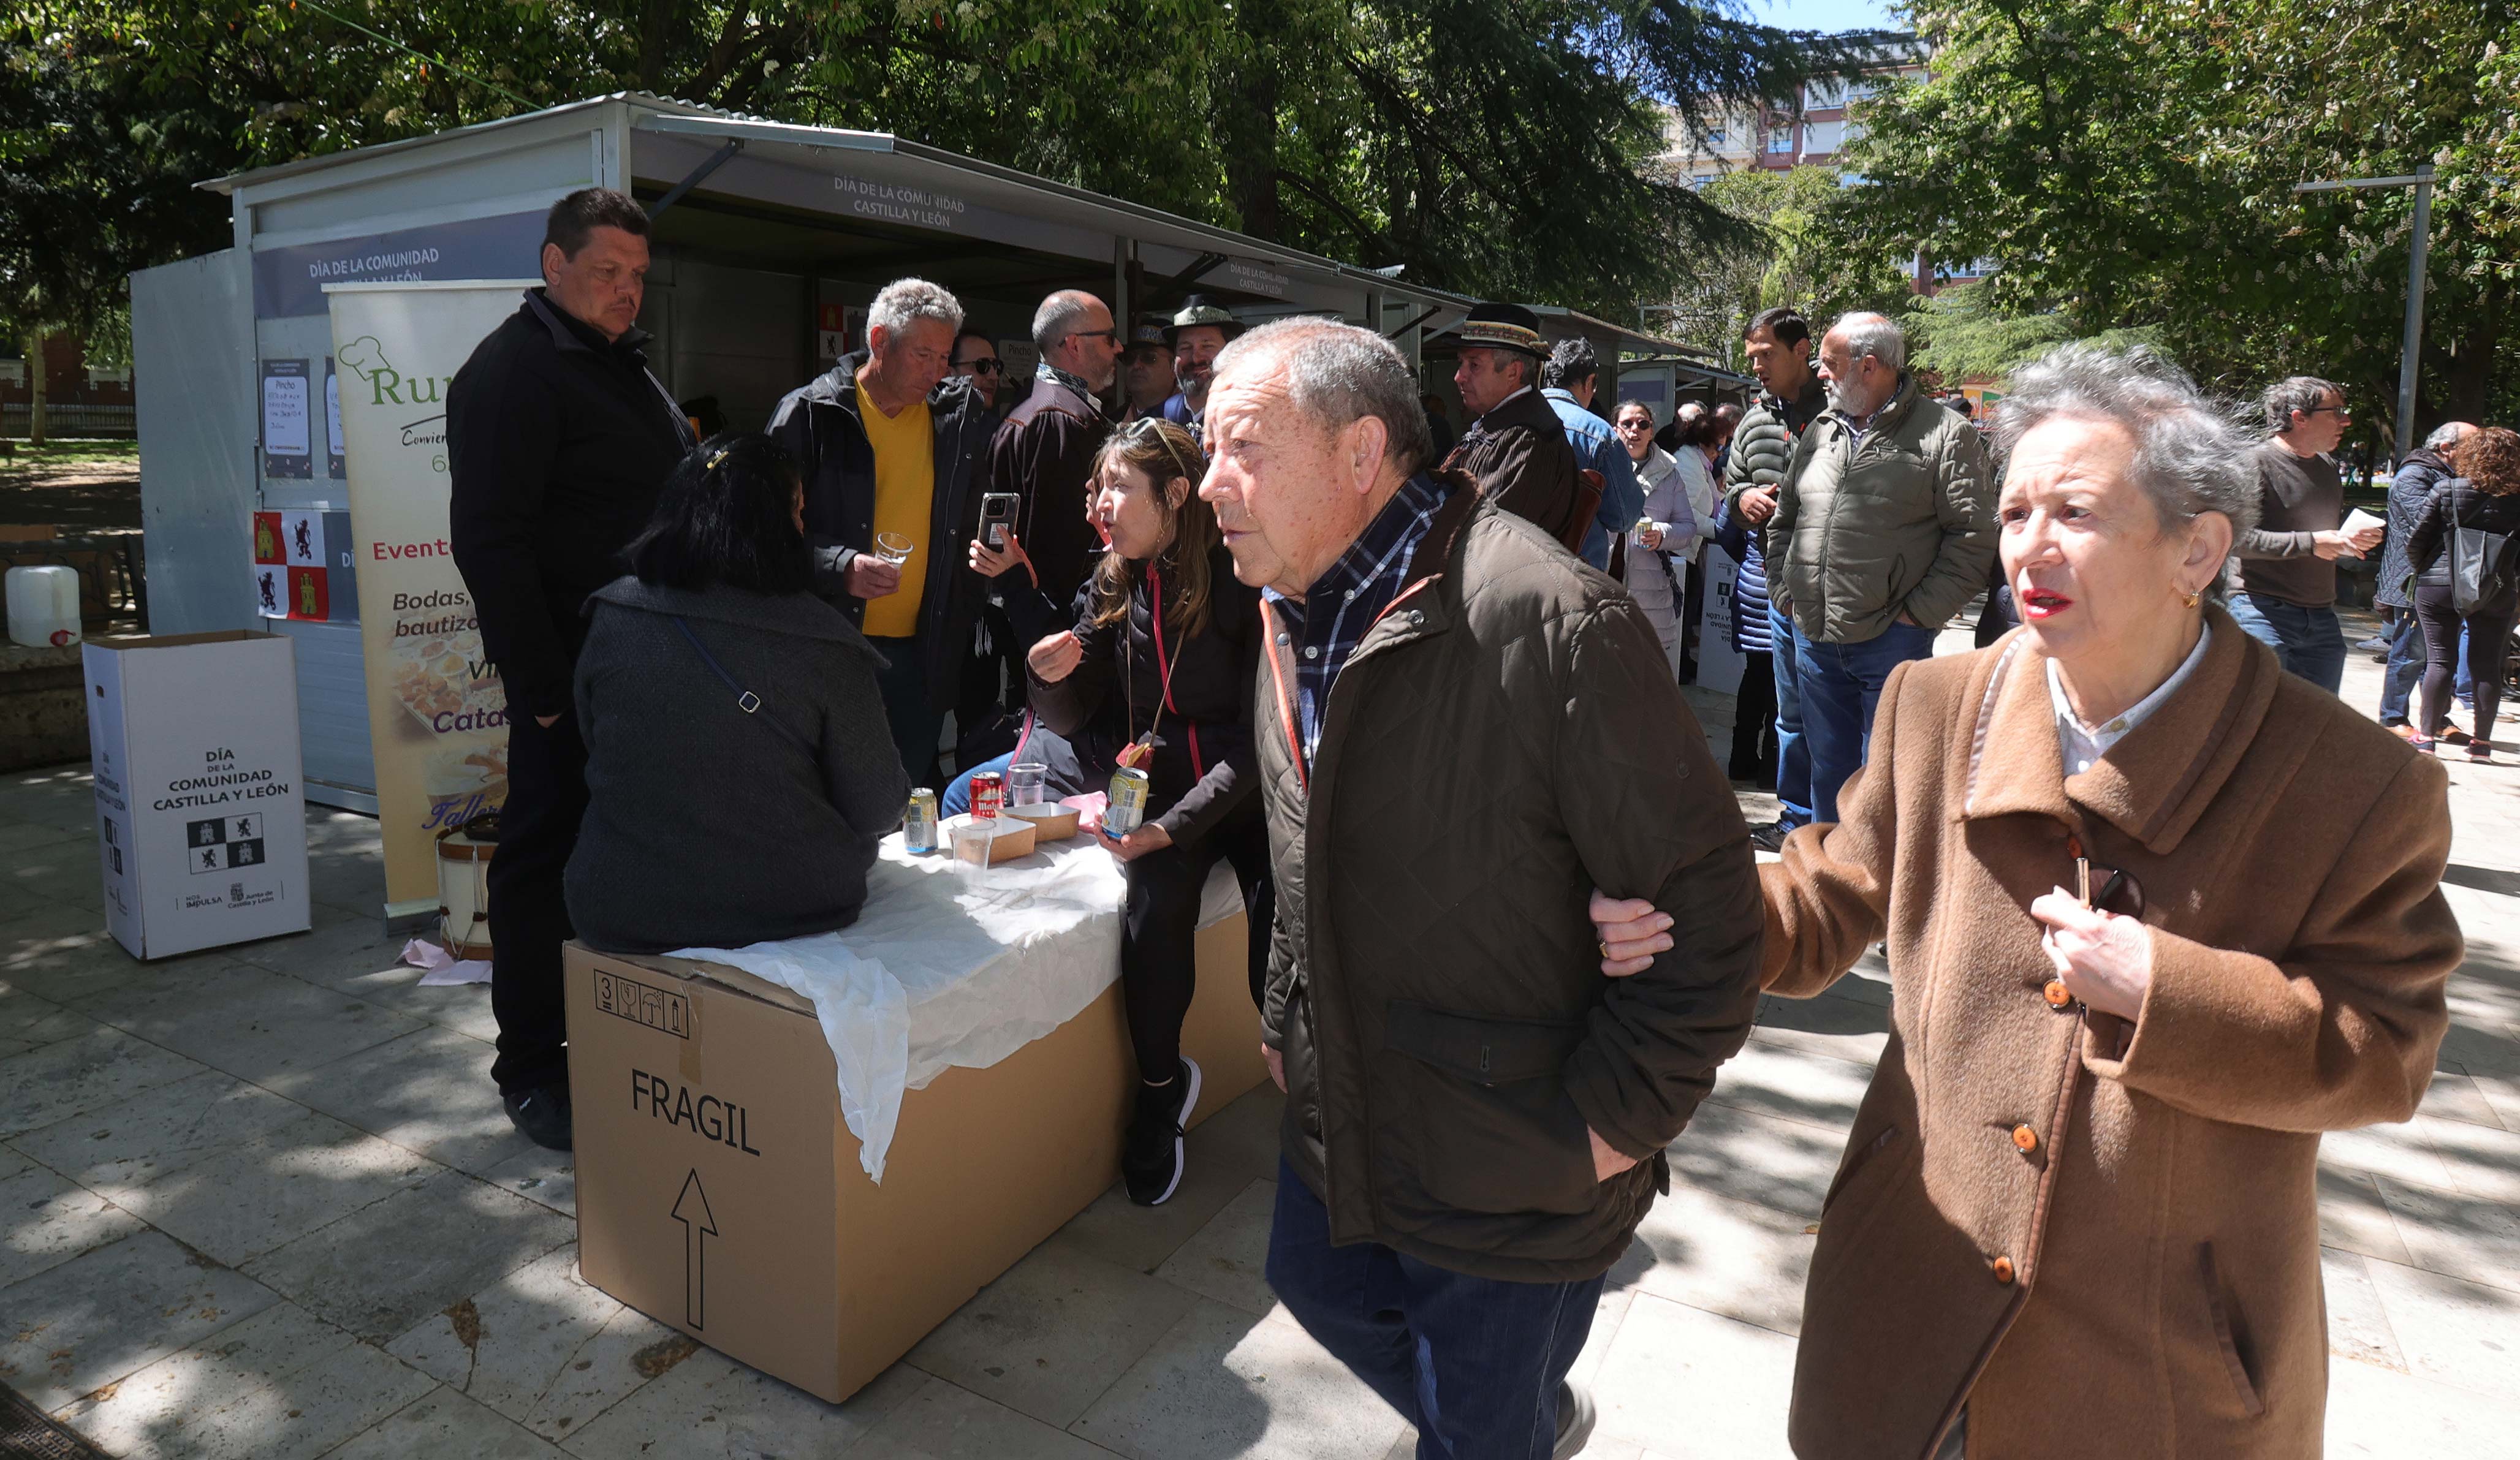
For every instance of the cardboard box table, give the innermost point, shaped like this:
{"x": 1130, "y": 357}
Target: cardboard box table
{"x": 201, "y": 804}
{"x": 719, "y": 1190}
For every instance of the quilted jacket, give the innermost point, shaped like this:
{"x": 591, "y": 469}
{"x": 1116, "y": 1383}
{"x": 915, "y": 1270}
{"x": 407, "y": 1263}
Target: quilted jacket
{"x": 1900, "y": 520}
{"x": 1433, "y": 981}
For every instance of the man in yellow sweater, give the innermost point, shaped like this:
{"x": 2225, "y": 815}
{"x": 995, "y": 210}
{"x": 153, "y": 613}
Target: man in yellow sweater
{"x": 888, "y": 440}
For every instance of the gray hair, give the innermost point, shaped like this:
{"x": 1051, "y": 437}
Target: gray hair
{"x": 1059, "y": 315}
{"x": 1338, "y": 374}
{"x": 2446, "y": 435}
{"x": 1873, "y": 334}
{"x": 2299, "y": 393}
{"x": 906, "y": 300}
{"x": 2191, "y": 454}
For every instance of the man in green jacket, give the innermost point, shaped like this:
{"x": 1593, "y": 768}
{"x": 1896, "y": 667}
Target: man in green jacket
{"x": 1884, "y": 529}
{"x": 1460, "y": 721}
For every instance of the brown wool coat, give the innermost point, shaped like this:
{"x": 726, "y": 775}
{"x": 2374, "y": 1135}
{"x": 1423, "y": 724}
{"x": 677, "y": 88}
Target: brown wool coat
{"x": 2102, "y": 1238}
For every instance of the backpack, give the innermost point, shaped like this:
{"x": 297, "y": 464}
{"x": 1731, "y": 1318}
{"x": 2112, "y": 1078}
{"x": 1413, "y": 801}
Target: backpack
{"x": 2480, "y": 568}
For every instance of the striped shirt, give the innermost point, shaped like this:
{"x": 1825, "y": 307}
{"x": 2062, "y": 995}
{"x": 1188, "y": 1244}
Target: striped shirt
{"x": 1321, "y": 630}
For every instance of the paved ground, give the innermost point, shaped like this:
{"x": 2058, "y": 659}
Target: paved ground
{"x": 261, "y": 1204}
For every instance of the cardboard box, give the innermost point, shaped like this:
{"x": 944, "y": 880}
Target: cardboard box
{"x": 719, "y": 1191}
{"x": 1051, "y": 822}
{"x": 201, "y": 804}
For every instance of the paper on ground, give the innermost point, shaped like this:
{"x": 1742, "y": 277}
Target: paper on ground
{"x": 942, "y": 969}
{"x": 443, "y": 967}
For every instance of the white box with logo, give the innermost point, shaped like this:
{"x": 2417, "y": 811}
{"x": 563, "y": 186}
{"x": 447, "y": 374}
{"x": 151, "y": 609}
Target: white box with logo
{"x": 201, "y": 805}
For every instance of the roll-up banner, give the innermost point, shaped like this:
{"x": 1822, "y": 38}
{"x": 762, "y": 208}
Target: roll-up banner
{"x": 436, "y": 713}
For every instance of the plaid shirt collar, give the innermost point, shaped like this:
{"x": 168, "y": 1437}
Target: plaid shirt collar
{"x": 1321, "y": 631}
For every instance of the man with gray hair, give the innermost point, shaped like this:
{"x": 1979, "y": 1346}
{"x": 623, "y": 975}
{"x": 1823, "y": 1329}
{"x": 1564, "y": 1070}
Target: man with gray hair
{"x": 1458, "y": 722}
{"x": 2287, "y": 594}
{"x": 1884, "y": 528}
{"x": 2424, "y": 469}
{"x": 887, "y": 441}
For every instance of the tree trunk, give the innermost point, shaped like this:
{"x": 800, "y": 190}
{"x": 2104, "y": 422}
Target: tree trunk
{"x": 34, "y": 387}
{"x": 1249, "y": 103}
{"x": 2469, "y": 381}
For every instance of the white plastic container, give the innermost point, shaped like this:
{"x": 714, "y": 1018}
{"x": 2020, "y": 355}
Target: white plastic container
{"x": 44, "y": 606}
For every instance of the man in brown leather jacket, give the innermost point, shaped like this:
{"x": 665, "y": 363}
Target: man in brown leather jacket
{"x": 1516, "y": 447}
{"x": 1458, "y": 725}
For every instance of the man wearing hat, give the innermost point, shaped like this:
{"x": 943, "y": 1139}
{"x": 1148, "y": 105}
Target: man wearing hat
{"x": 1515, "y": 447}
{"x": 1196, "y": 334}
{"x": 1146, "y": 371}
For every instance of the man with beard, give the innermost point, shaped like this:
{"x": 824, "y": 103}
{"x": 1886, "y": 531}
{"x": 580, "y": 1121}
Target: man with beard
{"x": 1196, "y": 334}
{"x": 1044, "y": 454}
{"x": 1884, "y": 527}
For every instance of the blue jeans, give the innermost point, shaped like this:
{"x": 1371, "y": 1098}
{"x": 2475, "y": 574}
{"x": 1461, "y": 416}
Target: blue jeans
{"x": 1793, "y": 757}
{"x": 2407, "y": 668}
{"x": 2309, "y": 641}
{"x": 1474, "y": 1362}
{"x": 1841, "y": 686}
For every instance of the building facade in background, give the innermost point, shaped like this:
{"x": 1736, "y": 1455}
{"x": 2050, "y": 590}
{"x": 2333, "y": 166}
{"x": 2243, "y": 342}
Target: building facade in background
{"x": 1816, "y": 134}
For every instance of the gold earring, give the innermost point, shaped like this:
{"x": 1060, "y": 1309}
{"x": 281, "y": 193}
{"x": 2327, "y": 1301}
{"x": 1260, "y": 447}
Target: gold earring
{"x": 2192, "y": 597}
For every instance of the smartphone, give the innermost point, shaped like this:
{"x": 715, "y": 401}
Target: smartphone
{"x": 997, "y": 514}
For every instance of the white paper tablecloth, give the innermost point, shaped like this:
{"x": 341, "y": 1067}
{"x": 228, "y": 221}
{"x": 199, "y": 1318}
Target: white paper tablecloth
{"x": 946, "y": 968}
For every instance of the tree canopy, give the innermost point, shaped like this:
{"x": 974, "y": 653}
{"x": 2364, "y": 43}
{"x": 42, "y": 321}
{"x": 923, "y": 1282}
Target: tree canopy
{"x": 1497, "y": 147}
{"x": 2130, "y": 165}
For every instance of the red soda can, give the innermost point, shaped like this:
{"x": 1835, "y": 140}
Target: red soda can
{"x": 988, "y": 794}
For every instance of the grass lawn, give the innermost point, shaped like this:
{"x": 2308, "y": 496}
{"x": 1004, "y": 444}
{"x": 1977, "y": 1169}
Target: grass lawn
{"x": 20, "y": 456}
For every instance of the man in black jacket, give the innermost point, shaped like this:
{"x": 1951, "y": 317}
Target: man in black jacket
{"x": 1045, "y": 453}
{"x": 906, "y": 472}
{"x": 1516, "y": 448}
{"x": 557, "y": 441}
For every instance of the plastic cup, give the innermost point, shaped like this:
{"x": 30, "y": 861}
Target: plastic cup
{"x": 971, "y": 849}
{"x": 1027, "y": 784}
{"x": 893, "y": 548}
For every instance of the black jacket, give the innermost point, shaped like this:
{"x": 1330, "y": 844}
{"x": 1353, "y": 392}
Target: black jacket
{"x": 1203, "y": 771}
{"x": 557, "y": 444}
{"x": 706, "y": 827}
{"x": 2457, "y": 503}
{"x": 819, "y": 425}
{"x": 2422, "y": 470}
{"x": 1044, "y": 454}
{"x": 1519, "y": 455}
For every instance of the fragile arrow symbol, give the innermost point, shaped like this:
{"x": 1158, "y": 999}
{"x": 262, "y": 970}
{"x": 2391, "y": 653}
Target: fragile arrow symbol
{"x": 692, "y": 1209}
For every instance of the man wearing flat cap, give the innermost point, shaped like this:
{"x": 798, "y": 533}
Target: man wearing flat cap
{"x": 1516, "y": 448}
{"x": 1196, "y": 334}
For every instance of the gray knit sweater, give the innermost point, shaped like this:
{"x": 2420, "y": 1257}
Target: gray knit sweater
{"x": 706, "y": 827}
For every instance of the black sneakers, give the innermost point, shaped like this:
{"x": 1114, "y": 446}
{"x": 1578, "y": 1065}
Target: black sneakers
{"x": 1575, "y": 1419}
{"x": 1150, "y": 1160}
{"x": 542, "y": 1113}
{"x": 1769, "y": 836}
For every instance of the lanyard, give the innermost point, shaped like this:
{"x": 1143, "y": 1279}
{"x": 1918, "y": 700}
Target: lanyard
{"x": 1163, "y": 666}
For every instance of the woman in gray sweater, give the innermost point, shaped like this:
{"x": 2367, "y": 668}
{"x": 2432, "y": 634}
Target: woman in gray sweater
{"x": 739, "y": 770}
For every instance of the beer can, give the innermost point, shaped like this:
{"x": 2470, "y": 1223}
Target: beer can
{"x": 919, "y": 824}
{"x": 988, "y": 794}
{"x": 1127, "y": 810}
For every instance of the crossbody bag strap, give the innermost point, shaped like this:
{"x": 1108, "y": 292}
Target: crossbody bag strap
{"x": 744, "y": 700}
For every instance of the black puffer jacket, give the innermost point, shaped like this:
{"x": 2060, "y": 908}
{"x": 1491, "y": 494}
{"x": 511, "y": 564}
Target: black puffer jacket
{"x": 1506, "y": 738}
{"x": 1203, "y": 770}
{"x": 2458, "y": 503}
{"x": 2422, "y": 470}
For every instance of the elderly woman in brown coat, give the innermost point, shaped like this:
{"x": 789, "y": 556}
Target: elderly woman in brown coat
{"x": 2159, "y": 914}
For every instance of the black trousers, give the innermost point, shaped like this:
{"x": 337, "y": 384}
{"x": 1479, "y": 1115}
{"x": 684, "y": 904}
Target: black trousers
{"x": 1754, "y": 722}
{"x": 1159, "y": 931}
{"x": 2488, "y": 640}
{"x": 1693, "y": 616}
{"x": 528, "y": 914}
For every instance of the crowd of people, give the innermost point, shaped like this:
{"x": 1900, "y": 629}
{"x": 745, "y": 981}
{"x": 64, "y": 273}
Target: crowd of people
{"x": 2159, "y": 908}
